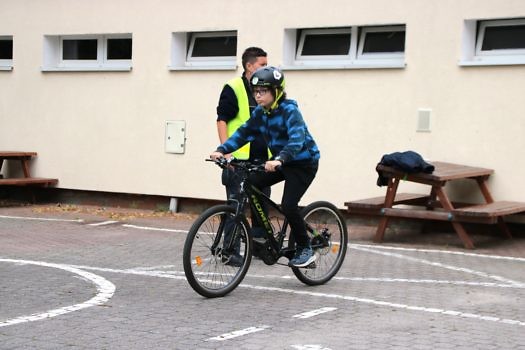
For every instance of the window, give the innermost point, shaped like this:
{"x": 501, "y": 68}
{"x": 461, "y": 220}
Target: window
{"x": 87, "y": 52}
{"x": 345, "y": 48}
{"x": 79, "y": 49}
{"x": 213, "y": 46}
{"x": 324, "y": 44}
{"x": 6, "y": 52}
{"x": 204, "y": 50}
{"x": 501, "y": 38}
{"x": 119, "y": 49}
{"x": 493, "y": 42}
{"x": 382, "y": 42}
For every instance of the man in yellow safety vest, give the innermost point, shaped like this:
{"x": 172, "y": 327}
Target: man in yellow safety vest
{"x": 236, "y": 103}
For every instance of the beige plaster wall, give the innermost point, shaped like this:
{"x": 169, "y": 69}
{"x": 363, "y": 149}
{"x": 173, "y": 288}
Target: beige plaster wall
{"x": 104, "y": 131}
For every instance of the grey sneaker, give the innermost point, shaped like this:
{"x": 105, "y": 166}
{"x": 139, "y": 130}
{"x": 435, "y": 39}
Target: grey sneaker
{"x": 303, "y": 257}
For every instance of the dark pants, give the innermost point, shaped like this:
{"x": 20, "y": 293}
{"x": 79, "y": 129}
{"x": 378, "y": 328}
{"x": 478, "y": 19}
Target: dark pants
{"x": 297, "y": 179}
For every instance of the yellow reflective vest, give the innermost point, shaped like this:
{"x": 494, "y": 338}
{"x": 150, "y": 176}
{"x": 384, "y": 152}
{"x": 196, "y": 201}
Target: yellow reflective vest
{"x": 242, "y": 116}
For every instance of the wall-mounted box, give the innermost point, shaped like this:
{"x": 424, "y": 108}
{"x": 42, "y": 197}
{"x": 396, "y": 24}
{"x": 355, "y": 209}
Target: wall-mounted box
{"x": 175, "y": 140}
{"x": 424, "y": 120}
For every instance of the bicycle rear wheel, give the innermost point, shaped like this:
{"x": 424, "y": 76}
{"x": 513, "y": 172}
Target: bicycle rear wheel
{"x": 217, "y": 252}
{"x": 329, "y": 239}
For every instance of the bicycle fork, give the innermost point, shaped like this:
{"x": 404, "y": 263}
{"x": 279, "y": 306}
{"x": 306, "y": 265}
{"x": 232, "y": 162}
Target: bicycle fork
{"x": 228, "y": 233}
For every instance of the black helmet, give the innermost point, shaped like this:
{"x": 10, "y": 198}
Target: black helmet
{"x": 268, "y": 76}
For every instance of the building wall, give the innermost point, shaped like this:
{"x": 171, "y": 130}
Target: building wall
{"x": 104, "y": 131}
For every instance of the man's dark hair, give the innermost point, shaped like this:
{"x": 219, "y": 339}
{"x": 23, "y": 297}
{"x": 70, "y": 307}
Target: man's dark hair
{"x": 251, "y": 54}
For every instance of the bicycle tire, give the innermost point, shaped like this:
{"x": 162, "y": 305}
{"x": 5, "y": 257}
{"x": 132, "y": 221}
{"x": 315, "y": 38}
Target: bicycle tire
{"x": 208, "y": 268}
{"x": 326, "y": 219}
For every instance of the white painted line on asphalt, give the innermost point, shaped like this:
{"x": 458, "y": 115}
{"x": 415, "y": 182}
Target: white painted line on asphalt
{"x": 485, "y": 256}
{"x": 39, "y": 219}
{"x": 387, "y": 304}
{"x": 147, "y": 228}
{"x": 180, "y": 276}
{"x": 445, "y": 266}
{"x": 385, "y": 247}
{"x": 105, "y": 290}
{"x": 150, "y": 268}
{"x": 426, "y": 281}
{"x": 238, "y": 333}
{"x": 141, "y": 272}
{"x": 310, "y": 347}
{"x": 109, "y": 222}
{"x": 313, "y": 313}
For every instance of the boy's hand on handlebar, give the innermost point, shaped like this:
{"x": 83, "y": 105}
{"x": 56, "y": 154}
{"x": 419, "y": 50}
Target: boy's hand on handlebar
{"x": 272, "y": 165}
{"x": 216, "y": 155}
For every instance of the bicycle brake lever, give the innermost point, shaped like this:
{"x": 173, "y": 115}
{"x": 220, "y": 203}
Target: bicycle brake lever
{"x": 222, "y": 162}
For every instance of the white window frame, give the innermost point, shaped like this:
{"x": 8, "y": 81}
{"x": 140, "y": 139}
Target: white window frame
{"x": 378, "y": 55}
{"x": 472, "y": 41}
{"x": 294, "y": 42}
{"x": 481, "y": 37}
{"x": 115, "y": 62}
{"x": 306, "y": 32}
{"x": 53, "y": 54}
{"x": 80, "y": 63}
{"x": 195, "y": 36}
{"x": 7, "y": 64}
{"x": 182, "y": 44}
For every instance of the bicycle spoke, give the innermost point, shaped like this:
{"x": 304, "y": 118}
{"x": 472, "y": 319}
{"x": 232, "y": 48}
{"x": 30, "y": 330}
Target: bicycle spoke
{"x": 216, "y": 253}
{"x": 328, "y": 235}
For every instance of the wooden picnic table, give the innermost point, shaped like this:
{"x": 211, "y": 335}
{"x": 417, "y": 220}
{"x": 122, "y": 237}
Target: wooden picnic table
{"x": 437, "y": 204}
{"x": 24, "y": 159}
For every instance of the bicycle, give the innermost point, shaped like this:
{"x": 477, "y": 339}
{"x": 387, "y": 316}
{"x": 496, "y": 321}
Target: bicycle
{"x": 223, "y": 232}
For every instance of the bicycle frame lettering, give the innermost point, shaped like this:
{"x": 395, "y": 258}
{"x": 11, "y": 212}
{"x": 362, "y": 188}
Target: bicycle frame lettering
{"x": 255, "y": 196}
{"x": 262, "y": 216}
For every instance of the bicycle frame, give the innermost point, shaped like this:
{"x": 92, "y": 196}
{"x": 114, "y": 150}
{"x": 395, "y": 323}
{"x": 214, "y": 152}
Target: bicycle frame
{"x": 257, "y": 199}
{"x": 249, "y": 194}
{"x": 255, "y": 195}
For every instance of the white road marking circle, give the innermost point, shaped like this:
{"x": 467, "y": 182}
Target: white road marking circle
{"x": 105, "y": 290}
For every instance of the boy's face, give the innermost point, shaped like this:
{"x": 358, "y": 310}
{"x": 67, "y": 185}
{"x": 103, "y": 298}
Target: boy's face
{"x": 263, "y": 96}
{"x": 252, "y": 67}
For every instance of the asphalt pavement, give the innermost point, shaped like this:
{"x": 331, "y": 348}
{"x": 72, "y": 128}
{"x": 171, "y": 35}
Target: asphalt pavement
{"x": 93, "y": 278}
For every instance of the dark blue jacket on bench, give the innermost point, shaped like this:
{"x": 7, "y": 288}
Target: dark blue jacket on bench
{"x": 408, "y": 162}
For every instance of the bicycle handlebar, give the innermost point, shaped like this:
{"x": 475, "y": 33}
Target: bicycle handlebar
{"x": 238, "y": 164}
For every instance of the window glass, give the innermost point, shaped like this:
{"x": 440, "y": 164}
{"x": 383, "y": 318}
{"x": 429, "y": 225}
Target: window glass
{"x": 119, "y": 49}
{"x": 382, "y": 42}
{"x": 214, "y": 46}
{"x": 6, "y": 49}
{"x": 504, "y": 37}
{"x": 326, "y": 44}
{"x": 79, "y": 49}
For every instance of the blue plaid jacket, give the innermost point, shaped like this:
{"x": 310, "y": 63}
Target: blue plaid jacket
{"x": 285, "y": 132}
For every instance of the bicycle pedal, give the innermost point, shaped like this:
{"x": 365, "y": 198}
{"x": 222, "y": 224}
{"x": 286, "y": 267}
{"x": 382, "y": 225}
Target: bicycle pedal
{"x": 259, "y": 240}
{"x": 313, "y": 265}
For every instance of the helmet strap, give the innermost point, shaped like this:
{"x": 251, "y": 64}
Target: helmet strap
{"x": 278, "y": 95}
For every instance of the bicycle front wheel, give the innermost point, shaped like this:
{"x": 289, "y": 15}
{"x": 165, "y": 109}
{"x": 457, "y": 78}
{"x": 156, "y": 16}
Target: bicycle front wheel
{"x": 217, "y": 252}
{"x": 328, "y": 235}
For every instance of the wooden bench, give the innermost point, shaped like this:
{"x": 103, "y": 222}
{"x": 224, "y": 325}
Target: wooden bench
{"x": 373, "y": 206}
{"x": 487, "y": 213}
{"x": 26, "y": 181}
{"x": 437, "y": 205}
{"x": 23, "y": 158}
{"x": 479, "y": 213}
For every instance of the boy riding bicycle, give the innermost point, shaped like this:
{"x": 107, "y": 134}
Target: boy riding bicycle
{"x": 296, "y": 155}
